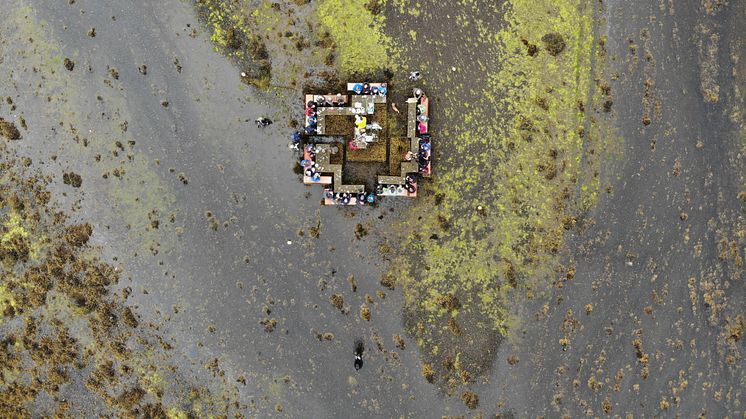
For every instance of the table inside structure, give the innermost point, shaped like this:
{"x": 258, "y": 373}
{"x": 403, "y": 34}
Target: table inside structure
{"x": 323, "y": 156}
{"x": 406, "y": 167}
{"x": 400, "y": 191}
{"x": 359, "y": 105}
{"x": 324, "y": 180}
{"x": 412, "y": 118}
{"x": 412, "y": 121}
{"x": 329, "y": 201}
{"x": 356, "y": 189}
{"x": 390, "y": 180}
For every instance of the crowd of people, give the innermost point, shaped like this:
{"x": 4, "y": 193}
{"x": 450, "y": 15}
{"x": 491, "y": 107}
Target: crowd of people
{"x": 345, "y": 198}
{"x": 410, "y": 185}
{"x": 320, "y": 101}
{"x": 423, "y": 155}
{"x": 367, "y": 89}
{"x": 310, "y": 167}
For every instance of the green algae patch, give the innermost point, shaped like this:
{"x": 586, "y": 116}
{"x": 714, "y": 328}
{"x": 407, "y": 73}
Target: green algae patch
{"x": 363, "y": 47}
{"x": 88, "y": 333}
{"x": 235, "y": 33}
{"x": 309, "y": 40}
{"x": 16, "y": 242}
{"x": 513, "y": 176}
{"x": 175, "y": 413}
{"x": 7, "y": 303}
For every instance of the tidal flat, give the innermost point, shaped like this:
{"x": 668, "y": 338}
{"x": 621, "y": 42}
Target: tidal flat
{"x": 578, "y": 250}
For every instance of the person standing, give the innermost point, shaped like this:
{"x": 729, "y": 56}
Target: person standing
{"x": 359, "y": 348}
{"x": 262, "y": 122}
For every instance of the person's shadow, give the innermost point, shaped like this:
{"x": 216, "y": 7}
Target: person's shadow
{"x": 359, "y": 348}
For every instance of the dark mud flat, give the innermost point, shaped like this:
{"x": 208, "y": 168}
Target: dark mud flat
{"x": 643, "y": 311}
{"x": 221, "y": 253}
{"x": 648, "y": 322}
{"x": 610, "y": 287}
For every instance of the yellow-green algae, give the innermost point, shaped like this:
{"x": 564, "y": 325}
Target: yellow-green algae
{"x": 411, "y": 8}
{"x": 6, "y": 300}
{"x": 300, "y": 37}
{"x": 236, "y": 32}
{"x": 14, "y": 232}
{"x": 363, "y": 47}
{"x": 13, "y": 229}
{"x": 174, "y": 413}
{"x": 65, "y": 288}
{"x": 509, "y": 187}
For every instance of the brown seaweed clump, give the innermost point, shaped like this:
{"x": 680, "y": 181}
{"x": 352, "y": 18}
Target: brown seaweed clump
{"x": 428, "y": 372}
{"x": 470, "y": 399}
{"x": 554, "y": 43}
{"x": 360, "y": 231}
{"x": 88, "y": 335}
{"x": 532, "y": 49}
{"x": 269, "y": 325}
{"x": 448, "y": 302}
{"x": 454, "y": 327}
{"x": 73, "y": 179}
{"x": 389, "y": 281}
{"x": 9, "y": 130}
{"x": 78, "y": 235}
{"x": 365, "y": 312}
{"x": 15, "y": 249}
{"x": 399, "y": 342}
{"x": 337, "y": 301}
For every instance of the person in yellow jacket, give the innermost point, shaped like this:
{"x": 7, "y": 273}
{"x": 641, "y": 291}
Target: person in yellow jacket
{"x": 361, "y": 122}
